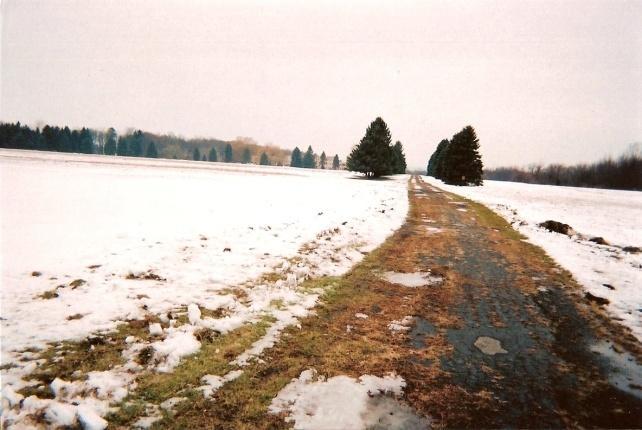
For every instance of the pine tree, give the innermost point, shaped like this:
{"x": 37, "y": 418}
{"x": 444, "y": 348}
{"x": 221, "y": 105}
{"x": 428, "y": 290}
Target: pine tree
{"x": 110, "y": 142}
{"x": 322, "y": 160}
{"x": 196, "y": 155}
{"x": 398, "y": 159}
{"x": 462, "y": 162}
{"x": 440, "y": 162}
{"x": 308, "y": 159}
{"x": 151, "y": 150}
{"x": 431, "y": 170}
{"x": 265, "y": 161}
{"x": 85, "y": 142}
{"x": 297, "y": 159}
{"x": 335, "y": 162}
{"x": 122, "y": 148}
{"x": 212, "y": 155}
{"x": 247, "y": 156}
{"x": 373, "y": 155}
{"x": 228, "y": 154}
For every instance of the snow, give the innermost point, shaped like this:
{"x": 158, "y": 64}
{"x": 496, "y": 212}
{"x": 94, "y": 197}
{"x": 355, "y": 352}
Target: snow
{"x": 213, "y": 382}
{"x": 412, "y": 280}
{"x": 313, "y": 402}
{"x": 612, "y": 214}
{"x": 401, "y": 325}
{"x": 148, "y": 237}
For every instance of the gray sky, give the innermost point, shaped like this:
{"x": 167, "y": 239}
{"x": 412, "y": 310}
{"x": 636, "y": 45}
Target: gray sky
{"x": 543, "y": 81}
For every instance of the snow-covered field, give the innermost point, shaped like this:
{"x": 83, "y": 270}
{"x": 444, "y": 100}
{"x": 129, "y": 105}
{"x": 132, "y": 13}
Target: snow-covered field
{"x": 604, "y": 270}
{"x": 110, "y": 239}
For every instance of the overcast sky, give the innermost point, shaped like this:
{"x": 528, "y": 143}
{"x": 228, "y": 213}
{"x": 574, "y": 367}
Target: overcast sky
{"x": 540, "y": 81}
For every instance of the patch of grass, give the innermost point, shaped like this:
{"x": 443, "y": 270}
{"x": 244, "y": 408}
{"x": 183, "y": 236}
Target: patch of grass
{"x": 73, "y": 360}
{"x": 213, "y": 358}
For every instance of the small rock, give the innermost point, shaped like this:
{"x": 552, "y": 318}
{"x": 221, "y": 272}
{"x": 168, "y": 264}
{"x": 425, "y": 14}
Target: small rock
{"x": 36, "y": 273}
{"x": 609, "y": 286}
{"x": 598, "y": 240}
{"x": 227, "y": 249}
{"x": 489, "y": 345}
{"x": 596, "y": 299}
{"x": 77, "y": 283}
{"x": 557, "y": 227}
{"x": 632, "y": 249}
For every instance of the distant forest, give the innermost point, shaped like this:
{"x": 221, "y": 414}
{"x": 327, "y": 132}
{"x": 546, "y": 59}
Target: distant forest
{"x": 137, "y": 143}
{"x": 624, "y": 173}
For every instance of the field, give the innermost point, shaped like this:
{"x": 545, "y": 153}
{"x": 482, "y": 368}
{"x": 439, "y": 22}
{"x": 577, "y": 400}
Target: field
{"x": 190, "y": 294}
{"x": 91, "y": 242}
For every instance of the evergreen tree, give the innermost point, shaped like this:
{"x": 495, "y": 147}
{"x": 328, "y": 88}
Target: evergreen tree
{"x": 74, "y": 141}
{"x": 462, "y": 162}
{"x": 265, "y": 161}
{"x": 398, "y": 159}
{"x": 85, "y": 142}
{"x": 247, "y": 156}
{"x": 122, "y": 148}
{"x": 212, "y": 155}
{"x": 322, "y": 160}
{"x": 65, "y": 140}
{"x": 110, "y": 142}
{"x": 228, "y": 155}
{"x": 335, "y": 162}
{"x": 431, "y": 170}
{"x": 151, "y": 150}
{"x": 440, "y": 164}
{"x": 373, "y": 155}
{"x": 196, "y": 155}
{"x": 297, "y": 159}
{"x": 136, "y": 144}
{"x": 308, "y": 159}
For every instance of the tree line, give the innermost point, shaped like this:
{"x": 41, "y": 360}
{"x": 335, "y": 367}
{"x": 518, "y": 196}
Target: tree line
{"x": 310, "y": 160}
{"x": 624, "y": 173}
{"x": 136, "y": 143}
{"x": 457, "y": 161}
{"x": 375, "y": 155}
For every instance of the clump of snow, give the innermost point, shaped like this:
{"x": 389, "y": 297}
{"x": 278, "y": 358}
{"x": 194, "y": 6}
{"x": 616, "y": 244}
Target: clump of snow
{"x": 193, "y": 313}
{"x": 179, "y": 343}
{"x": 402, "y": 324}
{"x": 360, "y": 315}
{"x": 611, "y": 214}
{"x": 155, "y": 329}
{"x": 213, "y": 382}
{"x": 314, "y": 402}
{"x": 412, "y": 280}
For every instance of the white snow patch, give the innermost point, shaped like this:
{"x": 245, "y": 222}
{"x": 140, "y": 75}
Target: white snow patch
{"x": 412, "y": 280}
{"x": 339, "y": 402}
{"x": 213, "y": 382}
{"x": 360, "y": 315}
{"x": 402, "y": 324}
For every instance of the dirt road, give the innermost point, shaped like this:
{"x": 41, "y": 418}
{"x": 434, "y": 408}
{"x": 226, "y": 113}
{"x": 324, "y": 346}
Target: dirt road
{"x": 499, "y": 337}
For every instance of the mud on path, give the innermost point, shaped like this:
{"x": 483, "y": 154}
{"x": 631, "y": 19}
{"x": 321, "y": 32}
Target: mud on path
{"x": 498, "y": 335}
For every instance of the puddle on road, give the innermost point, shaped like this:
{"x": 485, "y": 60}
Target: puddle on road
{"x": 489, "y": 345}
{"x": 624, "y": 373}
{"x": 412, "y": 280}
